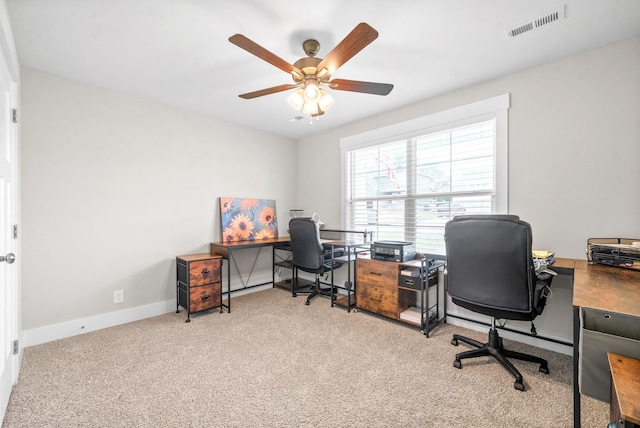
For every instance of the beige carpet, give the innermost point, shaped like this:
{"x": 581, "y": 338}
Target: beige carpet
{"x": 274, "y": 362}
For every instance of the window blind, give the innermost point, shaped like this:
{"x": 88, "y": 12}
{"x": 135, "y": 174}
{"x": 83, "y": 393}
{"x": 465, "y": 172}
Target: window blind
{"x": 407, "y": 188}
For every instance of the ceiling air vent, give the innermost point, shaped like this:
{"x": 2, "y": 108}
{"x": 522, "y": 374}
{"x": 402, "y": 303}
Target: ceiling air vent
{"x": 535, "y": 23}
{"x": 295, "y": 119}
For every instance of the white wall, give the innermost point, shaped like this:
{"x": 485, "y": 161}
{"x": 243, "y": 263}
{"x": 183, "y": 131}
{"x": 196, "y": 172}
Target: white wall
{"x": 115, "y": 187}
{"x": 574, "y": 148}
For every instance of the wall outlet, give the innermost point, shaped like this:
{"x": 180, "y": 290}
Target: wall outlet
{"x": 118, "y": 296}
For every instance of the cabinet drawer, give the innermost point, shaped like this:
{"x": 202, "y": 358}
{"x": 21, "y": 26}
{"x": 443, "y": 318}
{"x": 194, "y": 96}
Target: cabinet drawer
{"x": 380, "y": 299}
{"x": 204, "y": 297}
{"x": 377, "y": 272}
{"x": 203, "y": 272}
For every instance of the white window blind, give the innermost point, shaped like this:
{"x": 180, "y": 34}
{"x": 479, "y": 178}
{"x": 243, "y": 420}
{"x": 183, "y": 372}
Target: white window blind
{"x": 407, "y": 188}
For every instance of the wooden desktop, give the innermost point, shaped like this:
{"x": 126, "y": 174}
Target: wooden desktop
{"x": 600, "y": 287}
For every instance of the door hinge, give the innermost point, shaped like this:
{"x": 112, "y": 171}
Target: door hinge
{"x": 15, "y": 231}
{"x": 16, "y": 347}
{"x": 14, "y": 115}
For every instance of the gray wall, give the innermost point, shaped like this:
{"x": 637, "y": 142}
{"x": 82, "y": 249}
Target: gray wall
{"x": 114, "y": 187}
{"x": 574, "y": 147}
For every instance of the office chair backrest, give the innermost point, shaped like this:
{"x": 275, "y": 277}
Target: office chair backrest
{"x": 490, "y": 265}
{"x": 306, "y": 248}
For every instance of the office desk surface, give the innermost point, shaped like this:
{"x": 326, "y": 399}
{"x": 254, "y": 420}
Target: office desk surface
{"x": 223, "y": 248}
{"x": 606, "y": 288}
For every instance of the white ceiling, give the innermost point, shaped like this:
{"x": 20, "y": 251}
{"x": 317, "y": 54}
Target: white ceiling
{"x": 177, "y": 52}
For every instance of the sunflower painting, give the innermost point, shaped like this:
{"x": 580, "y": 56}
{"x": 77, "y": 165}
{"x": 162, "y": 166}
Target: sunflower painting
{"x": 245, "y": 219}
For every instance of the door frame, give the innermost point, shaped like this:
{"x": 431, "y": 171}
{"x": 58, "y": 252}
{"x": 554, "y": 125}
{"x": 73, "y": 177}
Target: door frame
{"x": 9, "y": 53}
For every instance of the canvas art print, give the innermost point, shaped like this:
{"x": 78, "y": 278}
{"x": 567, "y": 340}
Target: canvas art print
{"x": 246, "y": 219}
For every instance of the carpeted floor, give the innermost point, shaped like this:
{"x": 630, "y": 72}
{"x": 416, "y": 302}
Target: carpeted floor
{"x": 274, "y": 362}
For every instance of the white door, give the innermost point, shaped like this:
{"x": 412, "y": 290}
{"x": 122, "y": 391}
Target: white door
{"x": 9, "y": 307}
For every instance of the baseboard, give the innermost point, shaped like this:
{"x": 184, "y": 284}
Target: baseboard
{"x": 65, "y": 329}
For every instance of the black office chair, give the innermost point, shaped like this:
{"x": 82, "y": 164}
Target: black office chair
{"x": 309, "y": 255}
{"x": 490, "y": 270}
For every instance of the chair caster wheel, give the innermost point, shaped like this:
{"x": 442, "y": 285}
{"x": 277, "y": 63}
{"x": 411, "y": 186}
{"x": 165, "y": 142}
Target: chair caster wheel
{"x": 454, "y": 342}
{"x": 457, "y": 364}
{"x": 544, "y": 369}
{"x": 187, "y": 320}
{"x": 518, "y": 385}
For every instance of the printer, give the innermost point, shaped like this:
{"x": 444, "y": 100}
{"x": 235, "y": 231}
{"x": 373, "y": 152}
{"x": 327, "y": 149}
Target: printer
{"x": 395, "y": 251}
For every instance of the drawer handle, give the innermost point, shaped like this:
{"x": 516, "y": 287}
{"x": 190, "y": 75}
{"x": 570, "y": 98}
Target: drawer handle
{"x": 375, "y": 273}
{"x": 205, "y": 297}
{"x": 205, "y": 271}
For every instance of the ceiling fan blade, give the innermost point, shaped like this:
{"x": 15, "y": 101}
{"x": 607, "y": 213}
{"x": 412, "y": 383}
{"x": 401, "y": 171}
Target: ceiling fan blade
{"x": 355, "y": 41}
{"x": 267, "y": 91}
{"x": 357, "y": 86}
{"x": 257, "y": 50}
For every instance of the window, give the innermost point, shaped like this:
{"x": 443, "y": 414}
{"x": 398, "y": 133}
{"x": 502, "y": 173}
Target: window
{"x": 405, "y": 182}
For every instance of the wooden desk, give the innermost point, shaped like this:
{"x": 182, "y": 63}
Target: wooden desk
{"x": 599, "y": 287}
{"x": 625, "y": 391}
{"x": 226, "y": 250}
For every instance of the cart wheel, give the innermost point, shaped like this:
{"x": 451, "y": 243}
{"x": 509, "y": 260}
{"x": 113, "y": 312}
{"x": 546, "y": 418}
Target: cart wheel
{"x": 187, "y": 320}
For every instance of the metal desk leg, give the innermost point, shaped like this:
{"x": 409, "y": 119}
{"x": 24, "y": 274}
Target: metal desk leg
{"x": 229, "y": 281}
{"x": 576, "y": 361}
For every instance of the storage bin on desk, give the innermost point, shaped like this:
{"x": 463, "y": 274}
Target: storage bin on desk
{"x": 603, "y": 332}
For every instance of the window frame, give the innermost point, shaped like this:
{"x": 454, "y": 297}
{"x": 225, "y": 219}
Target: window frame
{"x": 491, "y": 108}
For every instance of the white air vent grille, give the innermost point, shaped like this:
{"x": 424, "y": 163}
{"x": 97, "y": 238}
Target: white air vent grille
{"x": 535, "y": 23}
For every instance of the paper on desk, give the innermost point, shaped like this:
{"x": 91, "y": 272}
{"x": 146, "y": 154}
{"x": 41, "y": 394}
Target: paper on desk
{"x": 542, "y": 254}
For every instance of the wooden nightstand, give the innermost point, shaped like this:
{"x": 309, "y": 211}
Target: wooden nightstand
{"x": 198, "y": 285}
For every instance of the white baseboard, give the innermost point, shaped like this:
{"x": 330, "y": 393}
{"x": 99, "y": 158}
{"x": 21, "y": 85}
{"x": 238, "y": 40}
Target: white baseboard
{"x": 65, "y": 329}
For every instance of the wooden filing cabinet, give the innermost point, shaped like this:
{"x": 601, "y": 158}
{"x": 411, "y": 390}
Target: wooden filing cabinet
{"x": 378, "y": 290}
{"x": 198, "y": 285}
{"x": 377, "y": 287}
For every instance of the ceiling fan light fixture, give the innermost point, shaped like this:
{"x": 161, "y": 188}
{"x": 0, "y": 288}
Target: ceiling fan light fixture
{"x": 310, "y": 108}
{"x": 296, "y": 99}
{"x": 312, "y": 92}
{"x": 326, "y": 101}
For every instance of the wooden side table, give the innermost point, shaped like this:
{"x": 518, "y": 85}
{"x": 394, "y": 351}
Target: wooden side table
{"x": 625, "y": 391}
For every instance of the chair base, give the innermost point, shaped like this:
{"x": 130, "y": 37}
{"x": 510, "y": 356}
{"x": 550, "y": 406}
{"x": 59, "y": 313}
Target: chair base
{"x": 495, "y": 349}
{"x": 318, "y": 291}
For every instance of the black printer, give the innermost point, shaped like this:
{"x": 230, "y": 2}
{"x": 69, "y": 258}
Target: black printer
{"x": 395, "y": 251}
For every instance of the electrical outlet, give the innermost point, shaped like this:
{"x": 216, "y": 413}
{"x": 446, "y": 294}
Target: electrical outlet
{"x": 118, "y": 296}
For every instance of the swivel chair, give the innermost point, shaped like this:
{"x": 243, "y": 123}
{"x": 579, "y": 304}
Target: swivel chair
{"x": 490, "y": 271}
{"x": 309, "y": 255}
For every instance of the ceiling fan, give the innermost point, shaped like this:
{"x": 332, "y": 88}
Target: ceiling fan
{"x": 310, "y": 73}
